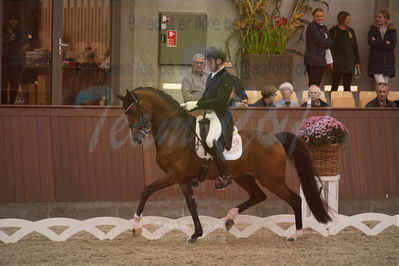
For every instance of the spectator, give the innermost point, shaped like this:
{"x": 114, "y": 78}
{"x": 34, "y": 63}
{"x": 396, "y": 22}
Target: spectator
{"x": 382, "y": 91}
{"x": 193, "y": 84}
{"x": 286, "y": 90}
{"x": 15, "y": 43}
{"x": 318, "y": 41}
{"x": 94, "y": 95}
{"x": 238, "y": 96}
{"x": 268, "y": 94}
{"x": 345, "y": 52}
{"x": 314, "y": 94}
{"x": 382, "y": 41}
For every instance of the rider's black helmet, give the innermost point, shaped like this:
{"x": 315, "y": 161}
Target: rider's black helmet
{"x": 215, "y": 53}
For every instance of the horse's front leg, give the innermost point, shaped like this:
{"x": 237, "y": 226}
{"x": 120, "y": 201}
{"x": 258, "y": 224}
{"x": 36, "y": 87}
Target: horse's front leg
{"x": 147, "y": 192}
{"x": 192, "y": 206}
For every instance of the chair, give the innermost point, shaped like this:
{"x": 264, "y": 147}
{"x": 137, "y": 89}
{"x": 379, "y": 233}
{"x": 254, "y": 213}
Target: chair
{"x": 365, "y": 97}
{"x": 253, "y": 96}
{"x": 305, "y": 96}
{"x": 340, "y": 88}
{"x": 343, "y": 99}
{"x": 393, "y": 95}
{"x": 279, "y": 97}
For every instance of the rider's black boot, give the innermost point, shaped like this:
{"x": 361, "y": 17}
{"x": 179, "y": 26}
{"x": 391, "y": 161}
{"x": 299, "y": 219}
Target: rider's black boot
{"x": 224, "y": 178}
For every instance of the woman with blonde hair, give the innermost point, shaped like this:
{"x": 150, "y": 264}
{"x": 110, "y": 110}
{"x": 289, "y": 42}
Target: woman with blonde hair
{"x": 382, "y": 41}
{"x": 318, "y": 44}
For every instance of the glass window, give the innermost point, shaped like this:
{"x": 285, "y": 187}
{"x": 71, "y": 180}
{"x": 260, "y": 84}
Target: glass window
{"x": 26, "y": 48}
{"x": 86, "y": 59}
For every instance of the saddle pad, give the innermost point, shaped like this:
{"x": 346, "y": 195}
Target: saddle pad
{"x": 230, "y": 155}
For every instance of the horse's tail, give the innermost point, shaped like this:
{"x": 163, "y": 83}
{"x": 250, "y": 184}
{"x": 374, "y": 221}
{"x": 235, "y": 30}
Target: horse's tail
{"x": 303, "y": 162}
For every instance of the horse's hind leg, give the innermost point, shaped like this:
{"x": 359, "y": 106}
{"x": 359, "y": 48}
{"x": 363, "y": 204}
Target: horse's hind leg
{"x": 295, "y": 201}
{"x": 192, "y": 206}
{"x": 256, "y": 195}
{"x": 147, "y": 192}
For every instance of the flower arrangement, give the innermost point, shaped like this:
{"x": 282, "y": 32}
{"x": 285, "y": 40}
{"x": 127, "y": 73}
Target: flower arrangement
{"x": 322, "y": 130}
{"x": 261, "y": 29}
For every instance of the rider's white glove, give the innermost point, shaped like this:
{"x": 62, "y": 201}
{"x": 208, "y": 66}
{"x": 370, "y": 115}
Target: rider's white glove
{"x": 189, "y": 105}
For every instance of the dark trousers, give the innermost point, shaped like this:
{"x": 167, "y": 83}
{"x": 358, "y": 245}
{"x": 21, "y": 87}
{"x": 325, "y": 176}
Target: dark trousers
{"x": 336, "y": 79}
{"x": 315, "y": 74}
{"x": 10, "y": 78}
{"x": 218, "y": 157}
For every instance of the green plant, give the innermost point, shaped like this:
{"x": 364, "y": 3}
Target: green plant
{"x": 260, "y": 28}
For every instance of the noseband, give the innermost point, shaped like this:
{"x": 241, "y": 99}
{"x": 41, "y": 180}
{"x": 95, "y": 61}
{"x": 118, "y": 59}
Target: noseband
{"x": 144, "y": 126}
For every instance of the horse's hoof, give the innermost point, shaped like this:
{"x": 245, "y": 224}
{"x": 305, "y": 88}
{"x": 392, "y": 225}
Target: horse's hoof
{"x": 137, "y": 231}
{"x": 295, "y": 235}
{"x": 191, "y": 240}
{"x": 229, "y": 224}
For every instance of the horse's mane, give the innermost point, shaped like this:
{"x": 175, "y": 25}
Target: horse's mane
{"x": 187, "y": 128}
{"x": 163, "y": 94}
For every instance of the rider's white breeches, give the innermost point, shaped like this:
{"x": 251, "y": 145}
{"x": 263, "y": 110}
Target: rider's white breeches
{"x": 215, "y": 128}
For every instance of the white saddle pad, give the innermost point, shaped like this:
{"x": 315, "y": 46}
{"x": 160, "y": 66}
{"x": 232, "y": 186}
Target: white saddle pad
{"x": 230, "y": 155}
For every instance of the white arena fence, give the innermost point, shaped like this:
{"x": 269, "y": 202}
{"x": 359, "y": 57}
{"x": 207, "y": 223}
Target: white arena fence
{"x": 329, "y": 193}
{"x": 185, "y": 225}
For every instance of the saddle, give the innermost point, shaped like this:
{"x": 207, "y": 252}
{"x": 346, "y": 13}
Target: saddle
{"x": 202, "y": 150}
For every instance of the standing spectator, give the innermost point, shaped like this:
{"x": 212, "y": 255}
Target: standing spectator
{"x": 314, "y": 94}
{"x": 286, "y": 90}
{"x": 318, "y": 41}
{"x": 15, "y": 43}
{"x": 193, "y": 83}
{"x": 238, "y": 96}
{"x": 345, "y": 52}
{"x": 382, "y": 91}
{"x": 382, "y": 41}
{"x": 268, "y": 94}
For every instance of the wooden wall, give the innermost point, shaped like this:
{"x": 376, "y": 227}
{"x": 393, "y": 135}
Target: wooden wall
{"x": 67, "y": 154}
{"x": 86, "y": 154}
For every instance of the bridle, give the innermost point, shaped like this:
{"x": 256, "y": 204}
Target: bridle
{"x": 143, "y": 126}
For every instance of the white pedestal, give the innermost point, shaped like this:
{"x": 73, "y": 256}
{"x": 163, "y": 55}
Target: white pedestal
{"x": 330, "y": 187}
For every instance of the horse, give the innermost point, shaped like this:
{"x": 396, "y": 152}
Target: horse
{"x": 152, "y": 111}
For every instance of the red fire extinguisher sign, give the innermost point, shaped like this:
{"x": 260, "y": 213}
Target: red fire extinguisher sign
{"x": 171, "y": 38}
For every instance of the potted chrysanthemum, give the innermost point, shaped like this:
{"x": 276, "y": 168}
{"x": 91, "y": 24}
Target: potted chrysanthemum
{"x": 323, "y": 135}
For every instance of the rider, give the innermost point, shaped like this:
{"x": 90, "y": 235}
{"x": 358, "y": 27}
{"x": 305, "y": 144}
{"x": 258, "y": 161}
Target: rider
{"x": 216, "y": 101}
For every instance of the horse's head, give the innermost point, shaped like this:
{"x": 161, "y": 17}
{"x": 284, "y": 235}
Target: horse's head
{"x": 139, "y": 118}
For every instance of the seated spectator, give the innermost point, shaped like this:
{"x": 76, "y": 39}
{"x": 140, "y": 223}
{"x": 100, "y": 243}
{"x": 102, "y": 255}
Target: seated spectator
{"x": 381, "y": 101}
{"x": 193, "y": 83}
{"x": 238, "y": 96}
{"x": 268, "y": 94}
{"x": 94, "y": 95}
{"x": 286, "y": 90}
{"x": 314, "y": 94}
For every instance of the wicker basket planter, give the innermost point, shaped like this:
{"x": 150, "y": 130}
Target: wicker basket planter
{"x": 325, "y": 159}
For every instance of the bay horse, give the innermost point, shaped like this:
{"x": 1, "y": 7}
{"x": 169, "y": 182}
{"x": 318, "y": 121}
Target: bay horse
{"x": 263, "y": 159}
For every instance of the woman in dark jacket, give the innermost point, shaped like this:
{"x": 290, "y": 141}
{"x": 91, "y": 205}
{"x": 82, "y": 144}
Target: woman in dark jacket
{"x": 345, "y": 52}
{"x": 382, "y": 41}
{"x": 318, "y": 41}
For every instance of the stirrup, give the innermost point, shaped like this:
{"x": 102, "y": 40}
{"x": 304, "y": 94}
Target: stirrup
{"x": 222, "y": 182}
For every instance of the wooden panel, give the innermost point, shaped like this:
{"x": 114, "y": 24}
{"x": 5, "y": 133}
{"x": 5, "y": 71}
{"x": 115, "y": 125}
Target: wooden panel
{"x": 96, "y": 158}
{"x": 26, "y": 164}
